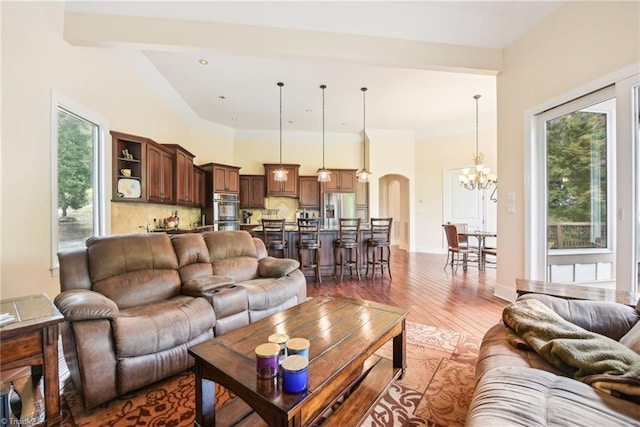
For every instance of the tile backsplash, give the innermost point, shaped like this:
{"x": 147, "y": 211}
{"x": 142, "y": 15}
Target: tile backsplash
{"x": 135, "y": 217}
{"x": 283, "y": 207}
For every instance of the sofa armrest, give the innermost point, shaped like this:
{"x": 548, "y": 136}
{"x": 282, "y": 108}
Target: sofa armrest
{"x": 603, "y": 317}
{"x": 272, "y": 267}
{"x": 81, "y": 304}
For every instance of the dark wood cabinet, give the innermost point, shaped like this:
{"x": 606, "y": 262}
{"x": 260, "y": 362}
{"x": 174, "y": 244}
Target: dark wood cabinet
{"x": 159, "y": 174}
{"x": 198, "y": 194}
{"x": 183, "y": 178}
{"x": 224, "y": 178}
{"x": 342, "y": 181}
{"x": 252, "y": 191}
{"x": 309, "y": 192}
{"x": 129, "y": 153}
{"x": 288, "y": 188}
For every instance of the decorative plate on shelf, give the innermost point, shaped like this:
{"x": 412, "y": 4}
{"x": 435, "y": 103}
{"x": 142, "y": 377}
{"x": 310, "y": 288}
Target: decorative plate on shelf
{"x": 129, "y": 188}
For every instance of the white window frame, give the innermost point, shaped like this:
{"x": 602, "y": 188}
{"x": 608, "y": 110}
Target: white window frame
{"x": 101, "y": 210}
{"x": 624, "y": 203}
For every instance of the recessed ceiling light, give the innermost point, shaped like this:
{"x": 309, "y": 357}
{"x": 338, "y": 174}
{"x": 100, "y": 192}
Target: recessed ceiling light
{"x": 290, "y": 121}
{"x": 203, "y": 62}
{"x": 308, "y": 110}
{"x": 344, "y": 123}
{"x": 222, "y": 97}
{"x": 234, "y": 119}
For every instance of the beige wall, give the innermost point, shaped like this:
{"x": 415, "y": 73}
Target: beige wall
{"x": 580, "y": 43}
{"x": 432, "y": 158}
{"x": 35, "y": 62}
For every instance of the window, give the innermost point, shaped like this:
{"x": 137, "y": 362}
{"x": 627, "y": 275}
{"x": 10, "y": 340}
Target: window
{"x": 78, "y": 190}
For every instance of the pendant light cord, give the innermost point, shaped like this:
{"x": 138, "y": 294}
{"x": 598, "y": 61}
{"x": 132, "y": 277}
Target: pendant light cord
{"x": 477, "y": 97}
{"x": 364, "y": 129}
{"x": 280, "y": 84}
{"x": 323, "y": 87}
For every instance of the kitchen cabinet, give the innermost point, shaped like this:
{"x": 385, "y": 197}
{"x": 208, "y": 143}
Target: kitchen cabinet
{"x": 182, "y": 175}
{"x": 288, "y": 188}
{"x": 252, "y": 191}
{"x": 221, "y": 178}
{"x": 342, "y": 181}
{"x": 362, "y": 200}
{"x": 198, "y": 194}
{"x": 309, "y": 192}
{"x": 159, "y": 174}
{"x": 129, "y": 154}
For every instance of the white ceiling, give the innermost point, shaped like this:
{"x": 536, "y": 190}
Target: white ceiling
{"x": 431, "y": 103}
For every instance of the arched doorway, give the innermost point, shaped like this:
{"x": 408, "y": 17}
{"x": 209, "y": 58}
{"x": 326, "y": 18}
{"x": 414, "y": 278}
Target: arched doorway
{"x": 394, "y": 202}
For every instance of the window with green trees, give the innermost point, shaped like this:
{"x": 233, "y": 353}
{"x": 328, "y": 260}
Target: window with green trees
{"x": 76, "y": 140}
{"x": 577, "y": 180}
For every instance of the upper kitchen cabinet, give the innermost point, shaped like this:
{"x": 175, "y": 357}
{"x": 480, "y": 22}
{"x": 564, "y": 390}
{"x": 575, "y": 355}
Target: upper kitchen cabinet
{"x": 183, "y": 176}
{"x": 342, "y": 181}
{"x": 129, "y": 154}
{"x": 159, "y": 174}
{"x": 224, "y": 178}
{"x": 198, "y": 193}
{"x": 309, "y": 192}
{"x": 288, "y": 188}
{"x": 252, "y": 191}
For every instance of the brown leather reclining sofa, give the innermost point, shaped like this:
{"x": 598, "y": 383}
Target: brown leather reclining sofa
{"x": 134, "y": 303}
{"x": 519, "y": 388}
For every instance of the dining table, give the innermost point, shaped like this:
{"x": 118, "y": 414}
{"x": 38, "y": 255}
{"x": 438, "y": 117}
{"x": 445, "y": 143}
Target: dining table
{"x": 481, "y": 238}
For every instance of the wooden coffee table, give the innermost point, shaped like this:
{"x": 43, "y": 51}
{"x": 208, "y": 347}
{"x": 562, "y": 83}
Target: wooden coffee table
{"x": 344, "y": 334}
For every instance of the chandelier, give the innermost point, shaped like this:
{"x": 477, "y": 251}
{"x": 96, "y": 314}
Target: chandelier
{"x": 478, "y": 175}
{"x": 324, "y": 175}
{"x": 280, "y": 174}
{"x": 363, "y": 174}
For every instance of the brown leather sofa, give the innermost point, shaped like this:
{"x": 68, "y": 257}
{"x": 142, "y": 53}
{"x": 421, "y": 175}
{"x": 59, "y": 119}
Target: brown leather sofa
{"x": 519, "y": 388}
{"x": 133, "y": 304}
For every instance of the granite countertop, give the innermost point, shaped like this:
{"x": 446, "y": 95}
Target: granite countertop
{"x": 322, "y": 228}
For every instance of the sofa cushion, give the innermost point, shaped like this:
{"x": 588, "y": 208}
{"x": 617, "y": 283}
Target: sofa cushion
{"x": 516, "y": 396}
{"x": 233, "y": 254}
{"x": 160, "y": 326}
{"x": 134, "y": 269}
{"x": 277, "y": 267}
{"x": 193, "y": 256}
{"x": 632, "y": 338}
{"x": 265, "y": 294}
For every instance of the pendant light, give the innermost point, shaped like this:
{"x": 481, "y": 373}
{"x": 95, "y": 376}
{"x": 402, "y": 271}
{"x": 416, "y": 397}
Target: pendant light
{"x": 477, "y": 176}
{"x": 363, "y": 174}
{"x": 280, "y": 174}
{"x": 323, "y": 174}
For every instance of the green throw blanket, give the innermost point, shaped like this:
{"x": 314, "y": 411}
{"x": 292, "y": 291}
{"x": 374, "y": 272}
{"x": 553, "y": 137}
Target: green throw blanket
{"x": 583, "y": 355}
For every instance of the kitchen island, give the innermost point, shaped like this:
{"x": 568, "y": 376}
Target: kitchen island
{"x": 328, "y": 235}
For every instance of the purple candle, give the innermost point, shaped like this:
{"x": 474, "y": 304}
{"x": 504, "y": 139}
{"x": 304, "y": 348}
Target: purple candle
{"x": 267, "y": 360}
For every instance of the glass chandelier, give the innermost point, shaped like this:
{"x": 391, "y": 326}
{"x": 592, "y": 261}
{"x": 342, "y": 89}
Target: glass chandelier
{"x": 281, "y": 173}
{"x": 478, "y": 175}
{"x": 323, "y": 174}
{"x": 363, "y": 174}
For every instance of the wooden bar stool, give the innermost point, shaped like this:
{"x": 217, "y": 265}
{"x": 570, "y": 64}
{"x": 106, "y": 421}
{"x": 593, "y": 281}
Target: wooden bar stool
{"x": 273, "y": 237}
{"x": 379, "y": 242}
{"x": 347, "y": 242}
{"x": 309, "y": 243}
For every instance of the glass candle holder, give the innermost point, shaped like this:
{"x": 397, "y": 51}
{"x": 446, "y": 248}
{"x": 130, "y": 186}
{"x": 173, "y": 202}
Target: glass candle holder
{"x": 281, "y": 340}
{"x": 295, "y": 374}
{"x": 299, "y": 346}
{"x": 267, "y": 360}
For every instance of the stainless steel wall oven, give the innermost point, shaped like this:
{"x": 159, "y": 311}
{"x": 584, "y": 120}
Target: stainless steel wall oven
{"x": 225, "y": 211}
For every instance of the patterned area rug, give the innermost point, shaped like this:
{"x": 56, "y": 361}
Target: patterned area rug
{"x": 435, "y": 391}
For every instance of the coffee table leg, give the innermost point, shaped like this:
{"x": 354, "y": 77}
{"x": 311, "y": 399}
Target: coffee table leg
{"x": 400, "y": 350}
{"x": 205, "y": 399}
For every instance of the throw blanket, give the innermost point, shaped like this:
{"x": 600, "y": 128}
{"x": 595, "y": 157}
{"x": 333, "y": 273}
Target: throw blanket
{"x": 583, "y": 355}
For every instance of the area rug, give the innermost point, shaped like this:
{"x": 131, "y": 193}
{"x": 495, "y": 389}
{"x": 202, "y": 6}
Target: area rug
{"x": 435, "y": 391}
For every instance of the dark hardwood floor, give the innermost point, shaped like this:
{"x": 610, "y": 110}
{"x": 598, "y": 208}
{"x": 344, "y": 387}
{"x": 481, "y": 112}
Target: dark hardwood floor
{"x": 461, "y": 302}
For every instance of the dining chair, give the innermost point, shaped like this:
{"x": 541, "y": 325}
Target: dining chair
{"x": 459, "y": 255}
{"x": 273, "y": 236}
{"x": 463, "y": 239}
{"x": 492, "y": 253}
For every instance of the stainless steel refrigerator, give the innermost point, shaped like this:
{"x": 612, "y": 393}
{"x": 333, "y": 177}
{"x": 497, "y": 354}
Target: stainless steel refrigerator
{"x": 338, "y": 205}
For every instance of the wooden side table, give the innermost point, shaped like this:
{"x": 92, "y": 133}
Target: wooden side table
{"x": 33, "y": 341}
